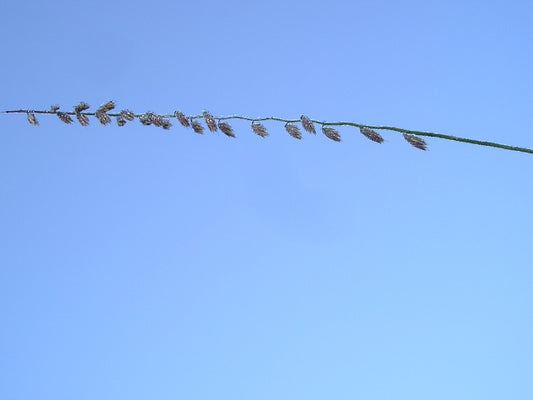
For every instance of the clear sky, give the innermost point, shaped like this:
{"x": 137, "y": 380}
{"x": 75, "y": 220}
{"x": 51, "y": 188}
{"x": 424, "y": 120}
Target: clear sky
{"x": 138, "y": 263}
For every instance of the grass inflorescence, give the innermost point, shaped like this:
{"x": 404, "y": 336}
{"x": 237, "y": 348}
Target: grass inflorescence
{"x": 104, "y": 113}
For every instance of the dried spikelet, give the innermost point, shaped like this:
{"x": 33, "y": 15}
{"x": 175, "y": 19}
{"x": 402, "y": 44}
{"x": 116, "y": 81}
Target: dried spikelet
{"x": 54, "y": 108}
{"x": 259, "y": 129}
{"x": 371, "y": 134}
{"x": 31, "y": 118}
{"x": 181, "y": 118}
{"x": 107, "y": 106}
{"x": 307, "y": 124}
{"x": 121, "y": 121}
{"x": 165, "y": 123}
{"x": 82, "y": 106}
{"x": 293, "y": 131}
{"x": 82, "y": 118}
{"x": 102, "y": 117}
{"x": 197, "y": 127}
{"x": 145, "y": 120}
{"x": 331, "y": 133}
{"x": 154, "y": 118}
{"x": 415, "y": 141}
{"x": 226, "y": 129}
{"x": 210, "y": 121}
{"x": 127, "y": 115}
{"x": 64, "y": 117}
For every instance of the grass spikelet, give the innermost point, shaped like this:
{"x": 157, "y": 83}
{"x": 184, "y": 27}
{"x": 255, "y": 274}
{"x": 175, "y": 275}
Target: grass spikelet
{"x": 145, "y": 120}
{"x": 31, "y": 118}
{"x": 107, "y": 106}
{"x": 64, "y": 117}
{"x": 82, "y": 118}
{"x": 127, "y": 115}
{"x": 331, "y": 133}
{"x": 154, "y": 118}
{"x": 165, "y": 124}
{"x": 209, "y": 121}
{"x": 182, "y": 119}
{"x": 226, "y": 129}
{"x": 102, "y": 117}
{"x": 415, "y": 141}
{"x": 259, "y": 129}
{"x": 121, "y": 121}
{"x": 293, "y": 131}
{"x": 307, "y": 124}
{"x": 371, "y": 134}
{"x": 82, "y": 106}
{"x": 197, "y": 127}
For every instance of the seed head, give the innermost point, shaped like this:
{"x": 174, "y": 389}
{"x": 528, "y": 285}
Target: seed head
{"x": 210, "y": 121}
{"x": 226, "y": 129}
{"x": 31, "y": 118}
{"x": 154, "y": 118}
{"x": 293, "y": 131}
{"x": 415, "y": 141}
{"x": 307, "y": 124}
{"x": 145, "y": 120}
{"x": 82, "y": 106}
{"x": 331, "y": 133}
{"x": 259, "y": 129}
{"x": 371, "y": 134}
{"x": 121, "y": 121}
{"x": 107, "y": 106}
{"x": 127, "y": 114}
{"x": 102, "y": 117}
{"x": 197, "y": 127}
{"x": 181, "y": 118}
{"x": 165, "y": 124}
{"x": 82, "y": 118}
{"x": 64, "y": 117}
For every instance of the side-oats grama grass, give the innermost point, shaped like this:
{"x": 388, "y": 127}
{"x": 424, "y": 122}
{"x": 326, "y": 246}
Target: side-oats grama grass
{"x": 293, "y": 130}
{"x": 259, "y": 129}
{"x": 415, "y": 141}
{"x": 307, "y": 124}
{"x": 226, "y": 129}
{"x": 331, "y": 133}
{"x": 104, "y": 113}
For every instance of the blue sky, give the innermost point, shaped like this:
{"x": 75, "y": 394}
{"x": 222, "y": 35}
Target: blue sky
{"x": 141, "y": 263}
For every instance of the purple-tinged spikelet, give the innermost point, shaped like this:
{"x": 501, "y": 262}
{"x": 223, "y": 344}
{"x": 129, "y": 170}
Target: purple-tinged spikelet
{"x": 154, "y": 118}
{"x": 415, "y": 141}
{"x": 107, "y": 106}
{"x": 293, "y": 131}
{"x": 209, "y": 121}
{"x": 31, "y": 118}
{"x": 54, "y": 108}
{"x": 259, "y": 129}
{"x": 82, "y": 106}
{"x": 307, "y": 124}
{"x": 127, "y": 115}
{"x": 371, "y": 134}
{"x": 182, "y": 119}
{"x": 331, "y": 133}
{"x": 102, "y": 117}
{"x": 226, "y": 129}
{"x": 197, "y": 127}
{"x": 121, "y": 121}
{"x": 165, "y": 124}
{"x": 82, "y": 118}
{"x": 64, "y": 117}
{"x": 145, "y": 120}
